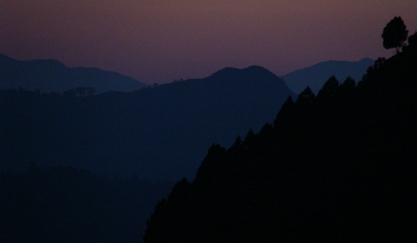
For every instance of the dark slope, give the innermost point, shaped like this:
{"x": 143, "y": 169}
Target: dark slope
{"x": 337, "y": 167}
{"x": 316, "y": 75}
{"x": 159, "y": 132}
{"x": 62, "y": 204}
{"x": 53, "y": 76}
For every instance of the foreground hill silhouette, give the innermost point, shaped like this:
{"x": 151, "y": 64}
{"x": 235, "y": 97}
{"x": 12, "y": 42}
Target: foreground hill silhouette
{"x": 339, "y": 166}
{"x": 316, "y": 75}
{"x": 53, "y": 76}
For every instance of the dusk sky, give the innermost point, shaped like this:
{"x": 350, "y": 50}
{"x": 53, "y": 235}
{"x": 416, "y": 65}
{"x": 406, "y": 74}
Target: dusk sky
{"x": 157, "y": 41}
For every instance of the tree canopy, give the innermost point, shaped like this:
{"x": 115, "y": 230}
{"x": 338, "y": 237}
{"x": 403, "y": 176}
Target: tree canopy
{"x": 394, "y": 34}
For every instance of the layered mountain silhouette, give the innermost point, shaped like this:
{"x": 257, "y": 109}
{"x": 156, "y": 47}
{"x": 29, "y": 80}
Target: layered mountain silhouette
{"x": 157, "y": 133}
{"x": 53, "y": 76}
{"x": 339, "y": 166}
{"x": 160, "y": 133}
{"x": 315, "y": 76}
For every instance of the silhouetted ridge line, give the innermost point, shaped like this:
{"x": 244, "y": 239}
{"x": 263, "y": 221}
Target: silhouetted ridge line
{"x": 315, "y": 76}
{"x": 249, "y": 72}
{"x": 53, "y": 76}
{"x": 4, "y": 58}
{"x": 158, "y": 132}
{"x": 336, "y": 166}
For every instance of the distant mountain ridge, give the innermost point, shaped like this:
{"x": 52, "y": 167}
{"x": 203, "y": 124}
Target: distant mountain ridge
{"x": 159, "y": 132}
{"x": 315, "y": 76}
{"x": 53, "y": 76}
{"x": 156, "y": 133}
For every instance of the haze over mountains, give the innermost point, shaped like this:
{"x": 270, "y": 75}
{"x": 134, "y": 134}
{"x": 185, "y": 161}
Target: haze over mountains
{"x": 315, "y": 76}
{"x": 53, "y": 76}
{"x": 332, "y": 165}
{"x": 155, "y": 132}
{"x": 160, "y": 133}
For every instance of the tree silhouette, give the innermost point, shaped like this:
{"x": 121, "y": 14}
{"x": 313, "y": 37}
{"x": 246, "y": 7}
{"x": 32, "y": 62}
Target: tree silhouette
{"x": 412, "y": 40}
{"x": 395, "y": 34}
{"x": 329, "y": 88}
{"x": 305, "y": 97}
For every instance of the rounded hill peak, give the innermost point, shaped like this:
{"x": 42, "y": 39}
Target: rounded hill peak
{"x": 251, "y": 72}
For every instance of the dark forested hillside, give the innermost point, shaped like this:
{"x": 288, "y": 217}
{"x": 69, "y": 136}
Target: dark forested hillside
{"x": 336, "y": 166}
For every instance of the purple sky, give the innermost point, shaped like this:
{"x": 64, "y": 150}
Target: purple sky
{"x": 157, "y": 41}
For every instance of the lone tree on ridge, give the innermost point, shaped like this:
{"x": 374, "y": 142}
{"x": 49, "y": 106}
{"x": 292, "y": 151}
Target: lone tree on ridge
{"x": 395, "y": 34}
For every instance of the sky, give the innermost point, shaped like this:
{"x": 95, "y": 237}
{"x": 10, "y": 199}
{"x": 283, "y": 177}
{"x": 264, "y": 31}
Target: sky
{"x": 158, "y": 41}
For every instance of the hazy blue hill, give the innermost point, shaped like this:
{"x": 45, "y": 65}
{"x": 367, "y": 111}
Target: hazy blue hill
{"x": 53, "y": 76}
{"x": 316, "y": 75}
{"x": 160, "y": 133}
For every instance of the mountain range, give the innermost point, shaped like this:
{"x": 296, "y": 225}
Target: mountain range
{"x": 53, "y": 76}
{"x": 160, "y": 132}
{"x": 315, "y": 76}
